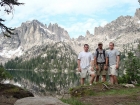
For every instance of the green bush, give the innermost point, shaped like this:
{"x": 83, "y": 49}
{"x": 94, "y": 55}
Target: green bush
{"x": 3, "y": 74}
{"x": 132, "y": 68}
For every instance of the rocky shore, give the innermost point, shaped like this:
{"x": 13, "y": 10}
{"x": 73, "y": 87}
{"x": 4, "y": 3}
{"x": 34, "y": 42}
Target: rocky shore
{"x": 9, "y": 94}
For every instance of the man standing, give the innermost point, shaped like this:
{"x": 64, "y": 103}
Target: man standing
{"x": 101, "y": 62}
{"x": 85, "y": 64}
{"x": 114, "y": 59}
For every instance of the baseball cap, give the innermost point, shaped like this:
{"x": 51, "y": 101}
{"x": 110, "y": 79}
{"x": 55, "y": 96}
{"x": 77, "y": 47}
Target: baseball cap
{"x": 100, "y": 43}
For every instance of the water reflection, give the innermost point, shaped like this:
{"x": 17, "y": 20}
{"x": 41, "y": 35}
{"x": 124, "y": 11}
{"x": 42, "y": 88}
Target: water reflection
{"x": 46, "y": 81}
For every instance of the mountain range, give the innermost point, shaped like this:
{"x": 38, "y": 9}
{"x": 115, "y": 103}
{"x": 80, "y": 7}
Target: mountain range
{"x": 34, "y": 34}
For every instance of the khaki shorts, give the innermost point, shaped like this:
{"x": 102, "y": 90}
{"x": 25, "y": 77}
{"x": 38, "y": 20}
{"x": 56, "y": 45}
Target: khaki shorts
{"x": 112, "y": 70}
{"x": 86, "y": 71}
{"x": 101, "y": 70}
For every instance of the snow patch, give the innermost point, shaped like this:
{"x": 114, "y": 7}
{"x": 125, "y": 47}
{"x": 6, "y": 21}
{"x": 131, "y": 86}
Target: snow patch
{"x": 12, "y": 82}
{"x": 17, "y": 84}
{"x": 8, "y": 54}
{"x": 44, "y": 55}
{"x": 6, "y": 82}
{"x": 46, "y": 30}
{"x": 139, "y": 21}
{"x": 43, "y": 28}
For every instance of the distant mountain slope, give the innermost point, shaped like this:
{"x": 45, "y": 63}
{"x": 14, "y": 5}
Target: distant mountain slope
{"x": 58, "y": 56}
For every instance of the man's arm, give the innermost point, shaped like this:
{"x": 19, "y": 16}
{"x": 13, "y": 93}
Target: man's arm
{"x": 106, "y": 63}
{"x": 118, "y": 60}
{"x": 92, "y": 63}
{"x": 95, "y": 61}
{"x": 78, "y": 61}
{"x": 106, "y": 58}
{"x": 79, "y": 68}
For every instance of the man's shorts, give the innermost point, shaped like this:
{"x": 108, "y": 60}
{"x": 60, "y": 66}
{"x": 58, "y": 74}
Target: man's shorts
{"x": 101, "y": 70}
{"x": 86, "y": 71}
{"x": 112, "y": 70}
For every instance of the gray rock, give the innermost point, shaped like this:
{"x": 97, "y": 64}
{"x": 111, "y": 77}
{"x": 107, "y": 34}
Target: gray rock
{"x": 137, "y": 14}
{"x": 123, "y": 24}
{"x": 129, "y": 85}
{"x": 39, "y": 101}
{"x": 80, "y": 38}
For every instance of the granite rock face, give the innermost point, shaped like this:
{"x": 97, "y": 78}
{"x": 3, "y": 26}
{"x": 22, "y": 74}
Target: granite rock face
{"x": 123, "y": 24}
{"x": 137, "y": 14}
{"x": 60, "y": 32}
{"x": 33, "y": 33}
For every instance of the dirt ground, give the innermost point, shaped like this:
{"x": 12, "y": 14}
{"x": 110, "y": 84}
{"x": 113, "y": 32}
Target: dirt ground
{"x": 112, "y": 100}
{"x": 111, "y": 95}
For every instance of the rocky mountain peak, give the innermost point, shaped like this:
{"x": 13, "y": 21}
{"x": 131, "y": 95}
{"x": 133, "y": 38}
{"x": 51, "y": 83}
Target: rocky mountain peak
{"x": 61, "y": 33}
{"x": 137, "y": 13}
{"x": 80, "y": 38}
{"x": 30, "y": 34}
{"x": 87, "y": 34}
{"x": 123, "y": 24}
{"x": 50, "y": 26}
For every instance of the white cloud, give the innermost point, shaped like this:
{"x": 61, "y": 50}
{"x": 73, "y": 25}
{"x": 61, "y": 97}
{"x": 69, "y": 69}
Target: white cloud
{"x": 53, "y": 7}
{"x": 42, "y": 10}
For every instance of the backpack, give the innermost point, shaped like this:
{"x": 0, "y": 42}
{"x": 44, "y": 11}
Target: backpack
{"x": 101, "y": 53}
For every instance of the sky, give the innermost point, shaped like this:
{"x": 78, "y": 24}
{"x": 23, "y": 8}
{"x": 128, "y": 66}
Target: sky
{"x": 76, "y": 16}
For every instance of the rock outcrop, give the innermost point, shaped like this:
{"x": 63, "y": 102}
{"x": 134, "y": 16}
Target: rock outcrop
{"x": 10, "y": 93}
{"x": 33, "y": 33}
{"x": 123, "y": 24}
{"x": 39, "y": 101}
{"x": 61, "y": 33}
{"x": 137, "y": 14}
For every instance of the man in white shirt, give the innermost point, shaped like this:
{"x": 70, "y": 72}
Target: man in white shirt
{"x": 85, "y": 64}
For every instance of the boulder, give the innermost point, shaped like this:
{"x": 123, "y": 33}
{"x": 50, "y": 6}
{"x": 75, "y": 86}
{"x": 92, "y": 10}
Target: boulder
{"x": 39, "y": 101}
{"x": 129, "y": 85}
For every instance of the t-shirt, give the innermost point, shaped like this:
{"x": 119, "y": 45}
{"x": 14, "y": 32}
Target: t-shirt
{"x": 86, "y": 58}
{"x": 112, "y": 54}
{"x": 101, "y": 57}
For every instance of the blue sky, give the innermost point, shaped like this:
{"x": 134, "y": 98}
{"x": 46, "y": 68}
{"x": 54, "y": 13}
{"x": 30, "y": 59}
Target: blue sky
{"x": 76, "y": 16}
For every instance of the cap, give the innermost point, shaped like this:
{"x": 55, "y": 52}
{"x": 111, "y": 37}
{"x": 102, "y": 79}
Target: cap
{"x": 100, "y": 43}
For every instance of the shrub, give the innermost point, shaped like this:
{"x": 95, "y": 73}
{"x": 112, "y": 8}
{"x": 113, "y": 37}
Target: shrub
{"x": 132, "y": 68}
{"x": 3, "y": 74}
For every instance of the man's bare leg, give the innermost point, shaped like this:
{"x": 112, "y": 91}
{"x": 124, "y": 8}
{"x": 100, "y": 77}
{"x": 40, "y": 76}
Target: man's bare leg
{"x": 92, "y": 78}
{"x": 82, "y": 81}
{"x": 97, "y": 78}
{"x": 115, "y": 79}
{"x": 111, "y": 79}
{"x": 103, "y": 78}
